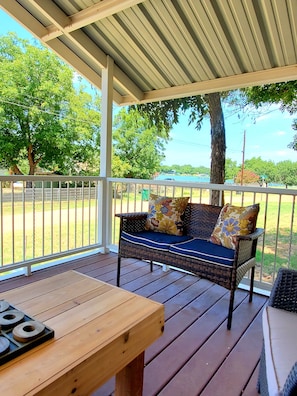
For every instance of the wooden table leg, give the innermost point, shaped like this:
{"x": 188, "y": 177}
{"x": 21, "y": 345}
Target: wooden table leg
{"x": 129, "y": 381}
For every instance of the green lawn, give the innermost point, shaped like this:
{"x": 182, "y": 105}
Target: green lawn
{"x": 51, "y": 235}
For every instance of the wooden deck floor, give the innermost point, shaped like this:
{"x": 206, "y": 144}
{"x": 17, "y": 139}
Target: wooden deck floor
{"x": 197, "y": 355}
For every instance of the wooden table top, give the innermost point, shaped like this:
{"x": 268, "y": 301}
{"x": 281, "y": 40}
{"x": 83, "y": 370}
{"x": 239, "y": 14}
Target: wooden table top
{"x": 99, "y": 329}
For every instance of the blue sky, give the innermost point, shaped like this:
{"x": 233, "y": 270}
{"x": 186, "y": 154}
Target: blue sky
{"x": 267, "y": 136}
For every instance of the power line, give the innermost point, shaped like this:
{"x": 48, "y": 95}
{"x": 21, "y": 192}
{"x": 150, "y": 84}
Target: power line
{"x": 191, "y": 143}
{"x": 45, "y": 111}
{"x": 202, "y": 145}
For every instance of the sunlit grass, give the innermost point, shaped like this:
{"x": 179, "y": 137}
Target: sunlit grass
{"x": 33, "y": 230}
{"x": 41, "y": 230}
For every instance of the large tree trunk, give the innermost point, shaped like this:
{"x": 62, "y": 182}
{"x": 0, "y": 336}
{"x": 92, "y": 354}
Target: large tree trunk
{"x": 218, "y": 144}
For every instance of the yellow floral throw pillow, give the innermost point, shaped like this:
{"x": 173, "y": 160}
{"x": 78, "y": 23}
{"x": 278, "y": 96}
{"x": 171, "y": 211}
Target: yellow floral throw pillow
{"x": 165, "y": 213}
{"x": 233, "y": 221}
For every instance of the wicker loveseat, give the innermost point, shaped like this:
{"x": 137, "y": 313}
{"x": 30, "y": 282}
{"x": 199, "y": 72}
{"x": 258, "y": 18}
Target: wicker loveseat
{"x": 278, "y": 364}
{"x": 192, "y": 251}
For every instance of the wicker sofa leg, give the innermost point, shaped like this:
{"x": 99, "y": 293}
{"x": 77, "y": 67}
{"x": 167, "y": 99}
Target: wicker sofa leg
{"x": 230, "y": 312}
{"x": 252, "y": 284}
{"x": 119, "y": 271}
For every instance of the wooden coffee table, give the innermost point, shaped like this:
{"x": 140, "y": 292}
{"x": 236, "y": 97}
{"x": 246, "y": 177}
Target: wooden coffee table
{"x": 100, "y": 331}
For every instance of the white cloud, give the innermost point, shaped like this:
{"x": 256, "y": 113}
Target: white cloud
{"x": 279, "y": 133}
{"x": 263, "y": 117}
{"x": 282, "y": 153}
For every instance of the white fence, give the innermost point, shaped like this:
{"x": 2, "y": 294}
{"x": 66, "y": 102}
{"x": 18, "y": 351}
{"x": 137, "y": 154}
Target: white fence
{"x": 52, "y": 217}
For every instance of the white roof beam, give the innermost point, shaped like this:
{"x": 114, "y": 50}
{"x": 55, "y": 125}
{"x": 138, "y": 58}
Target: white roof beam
{"x": 279, "y": 74}
{"x": 91, "y": 14}
{"x": 94, "y": 13}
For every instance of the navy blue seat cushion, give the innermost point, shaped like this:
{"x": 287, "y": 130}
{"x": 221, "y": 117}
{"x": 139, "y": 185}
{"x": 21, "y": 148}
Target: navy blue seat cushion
{"x": 156, "y": 240}
{"x": 205, "y": 250}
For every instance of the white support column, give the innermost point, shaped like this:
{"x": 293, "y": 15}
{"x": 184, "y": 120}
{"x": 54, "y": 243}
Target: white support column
{"x": 105, "y": 208}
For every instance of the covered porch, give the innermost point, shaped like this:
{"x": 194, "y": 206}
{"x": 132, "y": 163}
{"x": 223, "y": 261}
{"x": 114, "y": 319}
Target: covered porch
{"x": 179, "y": 48}
{"x": 141, "y": 51}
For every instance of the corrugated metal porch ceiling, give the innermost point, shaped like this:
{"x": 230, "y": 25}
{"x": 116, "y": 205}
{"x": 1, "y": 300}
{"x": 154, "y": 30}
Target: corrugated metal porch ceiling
{"x": 168, "y": 48}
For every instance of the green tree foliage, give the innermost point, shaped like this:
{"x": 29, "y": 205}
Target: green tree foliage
{"x": 265, "y": 169}
{"x": 246, "y": 177}
{"x": 284, "y": 94}
{"x": 231, "y": 169}
{"x": 138, "y": 147}
{"x": 44, "y": 121}
{"x": 286, "y": 172}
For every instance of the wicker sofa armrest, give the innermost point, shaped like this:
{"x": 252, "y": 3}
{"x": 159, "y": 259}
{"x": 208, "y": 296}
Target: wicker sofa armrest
{"x": 132, "y": 216}
{"x": 132, "y": 222}
{"x": 245, "y": 247}
{"x": 284, "y": 292}
{"x": 251, "y": 237}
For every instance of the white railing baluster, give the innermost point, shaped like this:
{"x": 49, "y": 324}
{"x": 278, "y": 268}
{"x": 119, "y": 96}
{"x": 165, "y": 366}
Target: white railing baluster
{"x": 89, "y": 212}
{"x": 293, "y": 222}
{"x": 43, "y": 218}
{"x": 12, "y": 223}
{"x": 68, "y": 216}
{"x": 24, "y": 238}
{"x": 60, "y": 215}
{"x": 1, "y": 225}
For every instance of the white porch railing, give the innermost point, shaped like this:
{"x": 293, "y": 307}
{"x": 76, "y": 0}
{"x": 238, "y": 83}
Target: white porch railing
{"x": 48, "y": 218}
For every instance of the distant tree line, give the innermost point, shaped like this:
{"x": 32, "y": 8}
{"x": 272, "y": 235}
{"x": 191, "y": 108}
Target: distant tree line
{"x": 255, "y": 171}
{"x": 262, "y": 172}
{"x": 185, "y": 169}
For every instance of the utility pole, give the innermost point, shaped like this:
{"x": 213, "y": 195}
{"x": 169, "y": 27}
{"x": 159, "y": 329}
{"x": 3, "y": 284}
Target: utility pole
{"x": 242, "y": 163}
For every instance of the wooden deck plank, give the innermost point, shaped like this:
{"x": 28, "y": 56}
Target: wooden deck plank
{"x": 183, "y": 318}
{"x": 197, "y": 355}
{"x": 234, "y": 374}
{"x": 182, "y": 348}
{"x": 213, "y": 355}
{"x": 251, "y": 387}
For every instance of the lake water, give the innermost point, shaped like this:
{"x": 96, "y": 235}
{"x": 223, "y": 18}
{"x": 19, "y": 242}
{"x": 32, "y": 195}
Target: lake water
{"x": 183, "y": 178}
{"x": 201, "y": 179}
{"x": 187, "y": 178}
